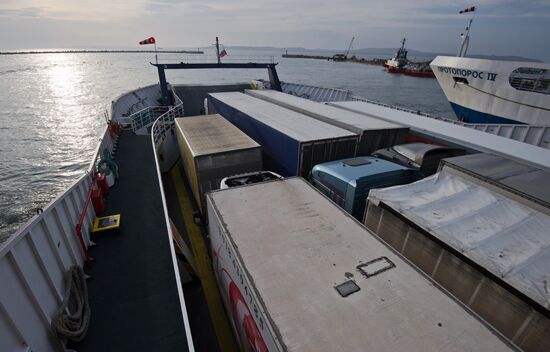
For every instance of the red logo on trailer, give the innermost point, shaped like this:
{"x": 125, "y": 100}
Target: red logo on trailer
{"x": 242, "y": 314}
{"x": 250, "y": 337}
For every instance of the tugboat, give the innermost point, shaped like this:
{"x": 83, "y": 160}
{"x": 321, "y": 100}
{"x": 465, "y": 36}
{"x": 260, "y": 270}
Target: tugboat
{"x": 400, "y": 64}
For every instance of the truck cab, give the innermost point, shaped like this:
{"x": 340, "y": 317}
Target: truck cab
{"x": 347, "y": 182}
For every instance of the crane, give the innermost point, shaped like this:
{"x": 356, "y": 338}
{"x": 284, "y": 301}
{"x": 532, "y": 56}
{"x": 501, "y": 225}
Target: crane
{"x": 349, "y": 46}
{"x": 343, "y": 57}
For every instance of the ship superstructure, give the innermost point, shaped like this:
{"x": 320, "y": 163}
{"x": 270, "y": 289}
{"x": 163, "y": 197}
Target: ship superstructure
{"x": 494, "y": 91}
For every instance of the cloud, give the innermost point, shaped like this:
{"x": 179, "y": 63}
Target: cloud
{"x": 430, "y": 24}
{"x": 25, "y": 12}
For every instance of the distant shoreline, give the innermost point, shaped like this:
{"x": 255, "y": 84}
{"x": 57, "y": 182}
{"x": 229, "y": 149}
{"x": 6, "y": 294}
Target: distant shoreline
{"x": 100, "y": 52}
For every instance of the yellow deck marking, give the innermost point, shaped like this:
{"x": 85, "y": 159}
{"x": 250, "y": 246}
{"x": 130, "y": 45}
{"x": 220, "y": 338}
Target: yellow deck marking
{"x": 222, "y": 327}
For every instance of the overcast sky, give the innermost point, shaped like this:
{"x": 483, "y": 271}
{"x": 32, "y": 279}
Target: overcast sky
{"x": 501, "y": 27}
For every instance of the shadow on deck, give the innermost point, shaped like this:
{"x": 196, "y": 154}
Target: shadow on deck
{"x": 211, "y": 329}
{"x": 133, "y": 294}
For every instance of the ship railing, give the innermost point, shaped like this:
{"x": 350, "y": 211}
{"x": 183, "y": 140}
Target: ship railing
{"x": 144, "y": 118}
{"x": 165, "y": 152}
{"x": 318, "y": 94}
{"x": 537, "y": 135}
{"x": 530, "y": 134}
{"x": 321, "y": 94}
{"x": 105, "y": 142}
{"x": 165, "y": 122}
{"x": 131, "y": 102}
{"x": 395, "y": 107}
{"x": 34, "y": 260}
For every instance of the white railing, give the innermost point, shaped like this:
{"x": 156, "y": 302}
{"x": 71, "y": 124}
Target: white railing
{"x": 161, "y": 127}
{"x": 531, "y": 134}
{"x": 143, "y": 119}
{"x": 324, "y": 95}
{"x": 395, "y": 107}
{"x": 128, "y": 103}
{"x": 165, "y": 122}
{"x": 537, "y": 135}
{"x": 34, "y": 260}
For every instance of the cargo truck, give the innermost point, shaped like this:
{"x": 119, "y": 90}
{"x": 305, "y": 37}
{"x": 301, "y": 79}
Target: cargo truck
{"x": 348, "y": 182}
{"x": 212, "y": 148}
{"x": 480, "y": 237}
{"x": 373, "y": 133}
{"x": 422, "y": 156}
{"x": 303, "y": 275}
{"x": 292, "y": 143}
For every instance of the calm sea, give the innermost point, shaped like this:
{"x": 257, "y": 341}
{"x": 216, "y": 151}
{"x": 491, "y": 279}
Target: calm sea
{"x": 51, "y": 110}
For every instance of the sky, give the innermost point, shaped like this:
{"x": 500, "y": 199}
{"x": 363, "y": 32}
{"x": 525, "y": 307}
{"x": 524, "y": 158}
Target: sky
{"x": 501, "y": 27}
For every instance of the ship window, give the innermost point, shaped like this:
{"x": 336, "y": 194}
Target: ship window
{"x": 460, "y": 80}
{"x": 531, "y": 79}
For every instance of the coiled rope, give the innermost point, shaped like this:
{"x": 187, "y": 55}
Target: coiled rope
{"x": 72, "y": 319}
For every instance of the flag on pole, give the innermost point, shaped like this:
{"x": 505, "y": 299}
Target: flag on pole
{"x": 150, "y": 40}
{"x": 469, "y": 9}
{"x": 223, "y": 53}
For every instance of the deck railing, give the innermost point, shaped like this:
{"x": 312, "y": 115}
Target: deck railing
{"x": 530, "y": 134}
{"x": 144, "y": 118}
{"x": 159, "y": 133}
{"x": 34, "y": 260}
{"x": 165, "y": 122}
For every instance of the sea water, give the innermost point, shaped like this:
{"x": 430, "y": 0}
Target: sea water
{"x": 52, "y": 109}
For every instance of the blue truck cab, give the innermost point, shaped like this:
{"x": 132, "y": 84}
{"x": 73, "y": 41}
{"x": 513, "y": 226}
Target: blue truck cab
{"x": 348, "y": 182}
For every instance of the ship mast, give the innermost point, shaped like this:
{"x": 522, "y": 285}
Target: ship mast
{"x": 218, "y": 51}
{"x": 465, "y": 40}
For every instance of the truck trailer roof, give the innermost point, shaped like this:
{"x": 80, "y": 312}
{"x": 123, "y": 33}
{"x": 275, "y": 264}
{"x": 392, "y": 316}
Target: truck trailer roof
{"x": 299, "y": 251}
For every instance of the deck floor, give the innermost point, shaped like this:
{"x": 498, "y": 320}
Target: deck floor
{"x": 211, "y": 328}
{"x": 133, "y": 293}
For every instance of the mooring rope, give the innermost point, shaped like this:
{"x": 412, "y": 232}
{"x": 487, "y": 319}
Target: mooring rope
{"x": 72, "y": 319}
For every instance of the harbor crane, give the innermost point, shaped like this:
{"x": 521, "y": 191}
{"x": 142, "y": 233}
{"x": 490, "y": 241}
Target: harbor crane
{"x": 344, "y": 57}
{"x": 349, "y": 47}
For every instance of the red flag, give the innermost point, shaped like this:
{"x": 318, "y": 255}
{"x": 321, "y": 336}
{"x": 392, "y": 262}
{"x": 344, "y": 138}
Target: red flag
{"x": 150, "y": 40}
{"x": 469, "y": 9}
{"x": 223, "y": 53}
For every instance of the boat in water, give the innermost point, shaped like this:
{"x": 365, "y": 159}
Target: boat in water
{"x": 401, "y": 64}
{"x": 494, "y": 91}
{"x": 178, "y": 262}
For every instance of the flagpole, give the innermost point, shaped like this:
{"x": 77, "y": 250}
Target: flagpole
{"x": 218, "y": 51}
{"x": 466, "y": 38}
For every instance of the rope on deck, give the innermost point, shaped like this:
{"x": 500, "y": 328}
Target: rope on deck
{"x": 73, "y": 316}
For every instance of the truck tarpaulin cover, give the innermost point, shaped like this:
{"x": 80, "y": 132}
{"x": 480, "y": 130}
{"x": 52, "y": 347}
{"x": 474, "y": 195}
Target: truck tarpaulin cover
{"x": 505, "y": 237}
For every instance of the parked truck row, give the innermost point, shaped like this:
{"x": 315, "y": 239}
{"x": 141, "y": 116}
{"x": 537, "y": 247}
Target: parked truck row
{"x": 300, "y": 267}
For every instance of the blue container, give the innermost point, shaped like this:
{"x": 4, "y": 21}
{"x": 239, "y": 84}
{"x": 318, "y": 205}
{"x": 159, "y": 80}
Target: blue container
{"x": 292, "y": 143}
{"x": 348, "y": 182}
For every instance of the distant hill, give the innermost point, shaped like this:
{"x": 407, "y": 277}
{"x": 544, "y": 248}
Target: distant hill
{"x": 382, "y": 53}
{"x": 422, "y": 54}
